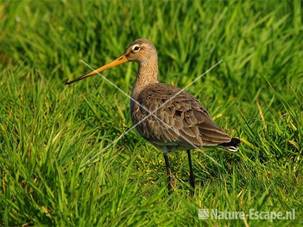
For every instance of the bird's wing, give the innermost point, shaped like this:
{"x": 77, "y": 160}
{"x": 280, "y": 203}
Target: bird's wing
{"x": 183, "y": 121}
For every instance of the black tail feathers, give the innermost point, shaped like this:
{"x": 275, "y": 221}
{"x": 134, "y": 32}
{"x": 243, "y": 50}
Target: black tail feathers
{"x": 233, "y": 145}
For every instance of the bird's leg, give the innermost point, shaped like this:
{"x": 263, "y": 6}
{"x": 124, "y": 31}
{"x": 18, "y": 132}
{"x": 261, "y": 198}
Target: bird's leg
{"x": 171, "y": 180}
{"x": 191, "y": 173}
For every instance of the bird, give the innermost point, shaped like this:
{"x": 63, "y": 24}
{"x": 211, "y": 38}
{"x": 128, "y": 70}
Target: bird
{"x": 168, "y": 117}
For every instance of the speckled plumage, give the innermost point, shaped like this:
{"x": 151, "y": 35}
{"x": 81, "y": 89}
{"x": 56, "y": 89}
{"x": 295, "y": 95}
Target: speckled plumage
{"x": 191, "y": 125}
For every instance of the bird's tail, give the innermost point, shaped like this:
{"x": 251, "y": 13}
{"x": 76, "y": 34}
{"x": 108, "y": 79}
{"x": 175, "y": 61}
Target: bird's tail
{"x": 232, "y": 145}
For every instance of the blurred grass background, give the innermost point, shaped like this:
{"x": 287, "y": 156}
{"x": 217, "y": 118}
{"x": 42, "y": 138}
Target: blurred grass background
{"x": 54, "y": 168}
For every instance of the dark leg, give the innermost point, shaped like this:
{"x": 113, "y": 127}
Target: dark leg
{"x": 171, "y": 182}
{"x": 191, "y": 173}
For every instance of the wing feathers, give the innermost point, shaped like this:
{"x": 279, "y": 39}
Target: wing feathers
{"x": 187, "y": 123}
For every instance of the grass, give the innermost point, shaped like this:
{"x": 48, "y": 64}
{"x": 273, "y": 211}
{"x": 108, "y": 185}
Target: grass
{"x": 54, "y": 168}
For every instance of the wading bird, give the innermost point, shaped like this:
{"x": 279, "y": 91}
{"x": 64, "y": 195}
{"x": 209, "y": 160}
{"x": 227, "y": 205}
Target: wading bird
{"x": 166, "y": 116}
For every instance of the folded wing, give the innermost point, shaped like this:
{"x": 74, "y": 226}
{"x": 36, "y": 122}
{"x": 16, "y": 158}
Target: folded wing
{"x": 174, "y": 117}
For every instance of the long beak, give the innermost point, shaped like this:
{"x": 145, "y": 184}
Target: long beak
{"x": 120, "y": 60}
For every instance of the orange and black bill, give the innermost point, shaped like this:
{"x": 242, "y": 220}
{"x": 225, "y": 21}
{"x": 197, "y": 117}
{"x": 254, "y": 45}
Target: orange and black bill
{"x": 120, "y": 60}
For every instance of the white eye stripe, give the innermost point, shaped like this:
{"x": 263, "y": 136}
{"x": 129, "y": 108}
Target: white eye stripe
{"x": 136, "y": 48}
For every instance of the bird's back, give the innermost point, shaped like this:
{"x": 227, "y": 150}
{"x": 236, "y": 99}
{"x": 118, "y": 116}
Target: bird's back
{"x": 171, "y": 117}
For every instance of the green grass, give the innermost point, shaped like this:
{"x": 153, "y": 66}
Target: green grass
{"x": 54, "y": 168}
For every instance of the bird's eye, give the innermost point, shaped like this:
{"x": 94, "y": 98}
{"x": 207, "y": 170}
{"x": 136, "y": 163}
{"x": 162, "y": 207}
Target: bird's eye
{"x": 136, "y": 48}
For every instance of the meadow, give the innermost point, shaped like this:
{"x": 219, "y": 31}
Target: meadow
{"x": 60, "y": 161}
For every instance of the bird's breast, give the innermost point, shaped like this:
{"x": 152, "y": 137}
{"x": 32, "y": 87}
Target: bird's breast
{"x": 139, "y": 118}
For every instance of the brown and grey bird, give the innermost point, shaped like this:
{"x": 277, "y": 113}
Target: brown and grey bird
{"x": 167, "y": 116}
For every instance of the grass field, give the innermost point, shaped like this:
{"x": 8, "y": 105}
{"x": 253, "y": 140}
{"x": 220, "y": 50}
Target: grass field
{"x": 56, "y": 165}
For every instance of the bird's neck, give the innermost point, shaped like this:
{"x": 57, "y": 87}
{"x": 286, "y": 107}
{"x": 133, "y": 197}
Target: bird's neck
{"x": 147, "y": 74}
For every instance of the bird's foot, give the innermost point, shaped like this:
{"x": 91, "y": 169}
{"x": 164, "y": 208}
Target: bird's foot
{"x": 192, "y": 184}
{"x": 171, "y": 183}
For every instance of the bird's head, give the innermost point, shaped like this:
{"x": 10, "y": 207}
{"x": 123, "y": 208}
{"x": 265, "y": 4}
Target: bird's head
{"x": 141, "y": 51}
